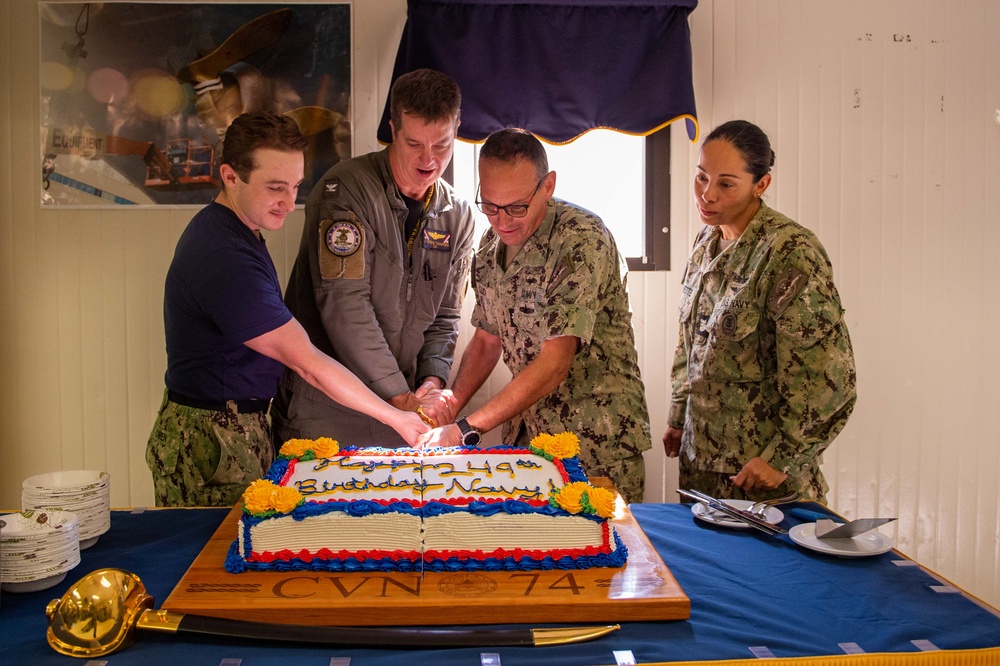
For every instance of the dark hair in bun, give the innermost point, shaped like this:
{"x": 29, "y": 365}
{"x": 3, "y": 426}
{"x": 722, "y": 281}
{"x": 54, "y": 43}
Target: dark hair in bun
{"x": 751, "y": 142}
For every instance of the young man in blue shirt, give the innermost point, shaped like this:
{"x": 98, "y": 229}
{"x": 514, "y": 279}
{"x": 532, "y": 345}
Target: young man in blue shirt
{"x": 229, "y": 335}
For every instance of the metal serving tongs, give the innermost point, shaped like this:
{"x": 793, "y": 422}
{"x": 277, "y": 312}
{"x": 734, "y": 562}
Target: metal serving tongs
{"x": 738, "y": 514}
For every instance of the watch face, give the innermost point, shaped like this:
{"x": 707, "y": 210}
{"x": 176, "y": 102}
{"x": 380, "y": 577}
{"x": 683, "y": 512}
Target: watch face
{"x": 471, "y": 438}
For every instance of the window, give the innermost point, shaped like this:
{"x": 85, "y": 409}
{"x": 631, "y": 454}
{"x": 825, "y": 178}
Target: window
{"x": 624, "y": 179}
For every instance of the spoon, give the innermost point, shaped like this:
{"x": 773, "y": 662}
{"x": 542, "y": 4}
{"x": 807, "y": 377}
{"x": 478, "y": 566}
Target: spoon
{"x": 97, "y": 614}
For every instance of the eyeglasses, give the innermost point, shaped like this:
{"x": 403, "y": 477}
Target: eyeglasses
{"x": 513, "y": 210}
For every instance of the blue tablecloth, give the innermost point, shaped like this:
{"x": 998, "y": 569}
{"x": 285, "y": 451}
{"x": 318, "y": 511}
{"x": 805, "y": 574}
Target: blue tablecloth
{"x": 751, "y": 595}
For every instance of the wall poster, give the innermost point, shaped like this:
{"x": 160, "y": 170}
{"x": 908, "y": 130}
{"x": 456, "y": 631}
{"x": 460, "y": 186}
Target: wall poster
{"x": 136, "y": 96}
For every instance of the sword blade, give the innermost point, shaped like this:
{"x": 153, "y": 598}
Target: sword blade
{"x": 376, "y": 637}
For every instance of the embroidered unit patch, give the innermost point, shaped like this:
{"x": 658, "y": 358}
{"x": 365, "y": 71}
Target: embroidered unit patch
{"x": 343, "y": 238}
{"x": 788, "y": 285}
{"x": 339, "y": 242}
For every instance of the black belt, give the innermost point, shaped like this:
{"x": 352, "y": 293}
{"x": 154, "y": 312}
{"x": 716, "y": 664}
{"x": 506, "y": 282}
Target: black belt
{"x": 251, "y": 406}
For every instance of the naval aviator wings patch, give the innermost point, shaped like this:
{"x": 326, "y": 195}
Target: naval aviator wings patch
{"x": 788, "y": 285}
{"x": 436, "y": 239}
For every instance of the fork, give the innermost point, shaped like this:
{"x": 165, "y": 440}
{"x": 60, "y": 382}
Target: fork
{"x": 760, "y": 508}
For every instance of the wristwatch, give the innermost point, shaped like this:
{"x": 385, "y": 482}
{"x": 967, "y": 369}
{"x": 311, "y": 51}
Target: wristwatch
{"x": 470, "y": 436}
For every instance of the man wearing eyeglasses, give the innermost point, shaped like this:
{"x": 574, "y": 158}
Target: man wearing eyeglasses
{"x": 381, "y": 272}
{"x": 551, "y": 299}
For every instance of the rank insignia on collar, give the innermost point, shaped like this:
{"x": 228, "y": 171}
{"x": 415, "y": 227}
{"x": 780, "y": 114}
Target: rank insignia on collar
{"x": 330, "y": 188}
{"x": 343, "y": 238}
{"x": 435, "y": 239}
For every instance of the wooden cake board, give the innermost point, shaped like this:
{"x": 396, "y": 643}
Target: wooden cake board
{"x": 642, "y": 590}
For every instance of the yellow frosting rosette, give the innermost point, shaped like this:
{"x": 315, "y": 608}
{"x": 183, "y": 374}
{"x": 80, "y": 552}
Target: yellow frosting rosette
{"x": 581, "y": 497}
{"x": 325, "y": 447}
{"x": 264, "y": 497}
{"x": 295, "y": 448}
{"x": 307, "y": 449}
{"x": 284, "y": 500}
{"x": 602, "y": 501}
{"x": 539, "y": 441}
{"x": 569, "y": 498}
{"x": 563, "y": 445}
{"x": 257, "y": 497}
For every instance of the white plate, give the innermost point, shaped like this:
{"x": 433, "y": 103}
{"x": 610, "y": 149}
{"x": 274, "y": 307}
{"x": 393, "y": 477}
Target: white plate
{"x": 34, "y": 585}
{"x": 863, "y": 545}
{"x": 38, "y": 524}
{"x": 71, "y": 481}
{"x": 702, "y": 512}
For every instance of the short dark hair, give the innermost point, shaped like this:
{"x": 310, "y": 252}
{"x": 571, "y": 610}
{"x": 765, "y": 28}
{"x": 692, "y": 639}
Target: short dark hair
{"x": 750, "y": 141}
{"x": 250, "y": 132}
{"x": 511, "y": 145}
{"x": 427, "y": 94}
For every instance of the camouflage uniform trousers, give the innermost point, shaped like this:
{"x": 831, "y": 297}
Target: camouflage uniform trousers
{"x": 202, "y": 457}
{"x": 717, "y": 484}
{"x": 627, "y": 474}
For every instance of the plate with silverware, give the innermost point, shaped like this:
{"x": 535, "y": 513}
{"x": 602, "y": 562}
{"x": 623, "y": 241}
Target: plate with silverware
{"x": 767, "y": 513}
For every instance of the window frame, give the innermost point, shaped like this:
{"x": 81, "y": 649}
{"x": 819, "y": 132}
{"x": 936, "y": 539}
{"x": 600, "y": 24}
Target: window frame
{"x": 656, "y": 230}
{"x": 656, "y": 192}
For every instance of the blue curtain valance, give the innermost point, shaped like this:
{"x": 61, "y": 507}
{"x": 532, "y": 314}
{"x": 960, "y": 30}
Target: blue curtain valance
{"x": 557, "y": 68}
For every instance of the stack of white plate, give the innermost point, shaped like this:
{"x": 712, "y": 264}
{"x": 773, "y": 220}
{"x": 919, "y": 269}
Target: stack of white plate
{"x": 87, "y": 493}
{"x": 37, "y": 548}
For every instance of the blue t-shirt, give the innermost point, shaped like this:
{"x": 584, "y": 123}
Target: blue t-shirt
{"x": 221, "y": 290}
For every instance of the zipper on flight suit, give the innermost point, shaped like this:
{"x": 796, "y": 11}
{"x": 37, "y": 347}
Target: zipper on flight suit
{"x": 413, "y": 239}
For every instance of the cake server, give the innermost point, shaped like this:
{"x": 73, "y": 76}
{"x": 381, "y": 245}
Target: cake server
{"x": 96, "y": 617}
{"x": 827, "y": 529}
{"x": 738, "y": 514}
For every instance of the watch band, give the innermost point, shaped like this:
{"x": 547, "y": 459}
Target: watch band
{"x": 470, "y": 435}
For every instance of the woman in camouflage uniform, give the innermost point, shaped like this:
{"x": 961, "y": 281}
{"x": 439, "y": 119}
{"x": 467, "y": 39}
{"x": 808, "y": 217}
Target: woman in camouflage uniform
{"x": 763, "y": 377}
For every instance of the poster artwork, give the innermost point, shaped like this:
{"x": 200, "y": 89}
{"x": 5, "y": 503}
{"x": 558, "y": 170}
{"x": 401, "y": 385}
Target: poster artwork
{"x": 136, "y": 97}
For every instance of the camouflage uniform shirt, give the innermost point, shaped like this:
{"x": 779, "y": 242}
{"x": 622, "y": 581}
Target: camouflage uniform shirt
{"x": 568, "y": 279}
{"x": 764, "y": 366}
